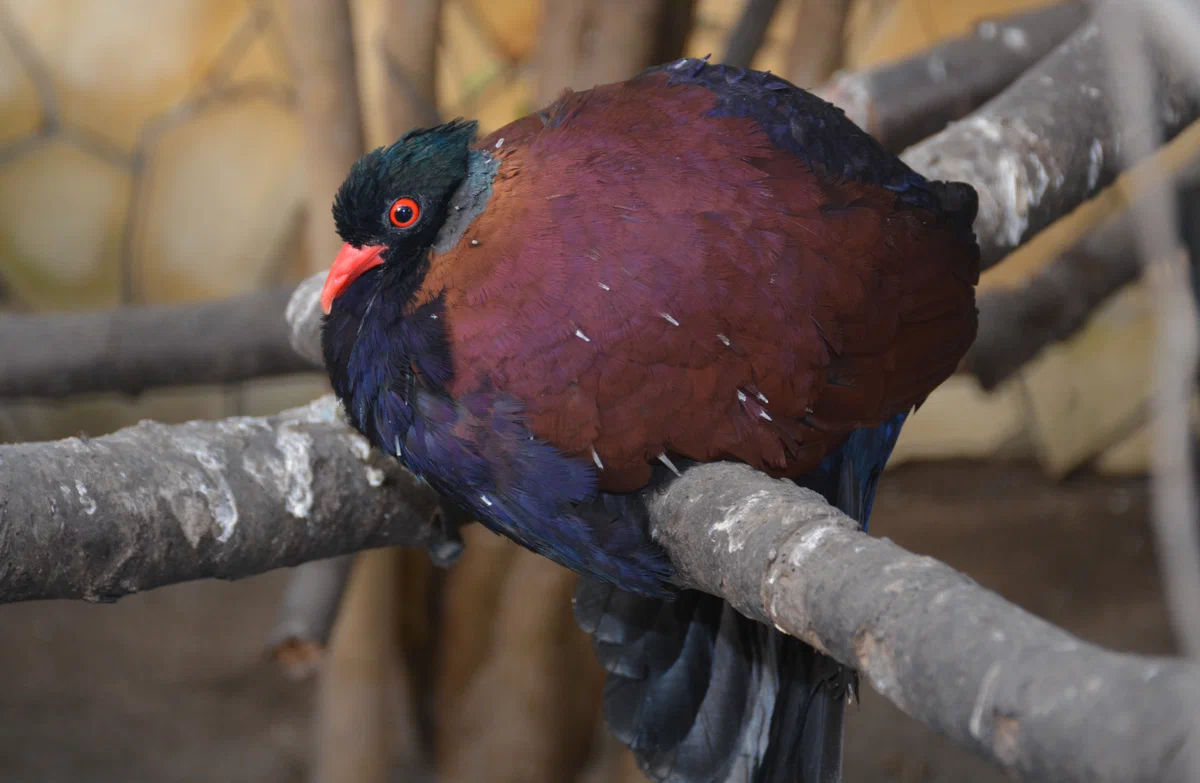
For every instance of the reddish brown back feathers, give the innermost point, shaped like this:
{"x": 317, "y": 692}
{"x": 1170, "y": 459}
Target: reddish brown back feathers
{"x": 649, "y": 278}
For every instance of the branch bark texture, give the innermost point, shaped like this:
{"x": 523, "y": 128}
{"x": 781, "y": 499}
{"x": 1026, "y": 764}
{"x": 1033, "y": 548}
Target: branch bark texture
{"x": 133, "y": 349}
{"x": 1048, "y": 142}
{"x": 1031, "y": 698}
{"x": 153, "y": 505}
{"x": 902, "y": 103}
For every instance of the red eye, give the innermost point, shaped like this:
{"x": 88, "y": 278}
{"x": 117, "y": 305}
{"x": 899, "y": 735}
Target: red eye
{"x": 404, "y": 213}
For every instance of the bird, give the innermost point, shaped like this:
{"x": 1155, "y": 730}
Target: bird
{"x": 550, "y": 322}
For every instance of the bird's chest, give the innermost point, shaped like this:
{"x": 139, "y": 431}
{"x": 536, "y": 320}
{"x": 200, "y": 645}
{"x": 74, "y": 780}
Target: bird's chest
{"x": 400, "y": 367}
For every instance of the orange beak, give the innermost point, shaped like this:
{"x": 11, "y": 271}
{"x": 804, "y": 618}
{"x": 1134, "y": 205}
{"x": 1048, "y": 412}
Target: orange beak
{"x": 350, "y": 264}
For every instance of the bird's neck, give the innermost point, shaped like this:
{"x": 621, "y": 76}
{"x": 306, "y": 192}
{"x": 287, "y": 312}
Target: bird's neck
{"x": 369, "y": 346}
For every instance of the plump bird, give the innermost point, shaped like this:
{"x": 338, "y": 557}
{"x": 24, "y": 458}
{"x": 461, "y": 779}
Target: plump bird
{"x": 701, "y": 263}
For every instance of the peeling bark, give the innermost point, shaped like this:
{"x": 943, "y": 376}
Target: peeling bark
{"x": 1048, "y": 142}
{"x": 1029, "y": 697}
{"x": 153, "y": 505}
{"x": 1017, "y": 323}
{"x": 901, "y": 103}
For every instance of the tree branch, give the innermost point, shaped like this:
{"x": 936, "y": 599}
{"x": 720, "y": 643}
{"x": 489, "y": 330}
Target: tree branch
{"x": 1048, "y": 142}
{"x": 1016, "y": 324}
{"x": 132, "y": 349}
{"x": 307, "y": 613}
{"x": 902, "y": 103}
{"x": 1036, "y": 701}
{"x": 153, "y": 505}
{"x": 1177, "y": 342}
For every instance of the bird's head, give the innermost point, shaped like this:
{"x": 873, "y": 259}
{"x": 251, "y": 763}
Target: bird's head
{"x": 394, "y": 201}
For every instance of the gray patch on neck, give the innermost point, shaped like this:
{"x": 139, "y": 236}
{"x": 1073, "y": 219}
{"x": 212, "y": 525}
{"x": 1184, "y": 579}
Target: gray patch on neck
{"x": 469, "y": 201}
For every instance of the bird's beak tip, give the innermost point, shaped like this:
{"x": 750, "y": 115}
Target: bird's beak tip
{"x": 349, "y": 265}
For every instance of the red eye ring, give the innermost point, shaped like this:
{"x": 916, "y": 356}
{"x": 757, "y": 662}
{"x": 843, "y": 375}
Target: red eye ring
{"x": 404, "y": 213}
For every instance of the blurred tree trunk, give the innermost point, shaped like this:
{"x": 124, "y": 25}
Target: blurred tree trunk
{"x": 590, "y": 42}
{"x": 746, "y": 37}
{"x": 529, "y": 713}
{"x": 322, "y": 56}
{"x": 470, "y": 603}
{"x": 409, "y": 46}
{"x": 674, "y": 27}
{"x": 359, "y": 688}
{"x": 818, "y": 42}
{"x": 418, "y": 585}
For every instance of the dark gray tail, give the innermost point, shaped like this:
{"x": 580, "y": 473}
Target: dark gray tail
{"x": 703, "y": 694}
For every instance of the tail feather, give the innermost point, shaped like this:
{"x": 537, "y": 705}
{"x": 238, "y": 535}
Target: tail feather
{"x": 809, "y": 723}
{"x": 703, "y": 694}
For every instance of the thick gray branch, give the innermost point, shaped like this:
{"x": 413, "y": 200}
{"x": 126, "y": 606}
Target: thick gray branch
{"x": 153, "y": 505}
{"x": 1031, "y": 698}
{"x": 1048, "y": 142}
{"x": 902, "y": 103}
{"x": 1016, "y": 324}
{"x": 132, "y": 349}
